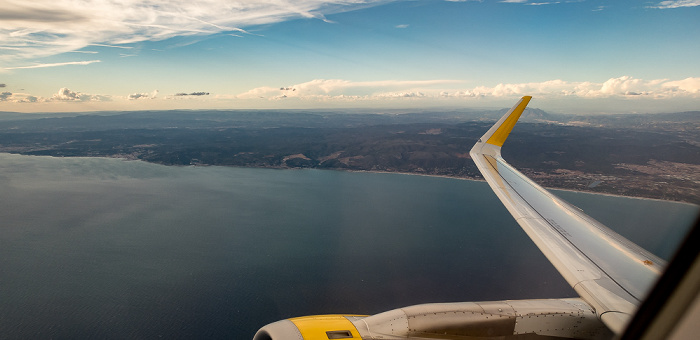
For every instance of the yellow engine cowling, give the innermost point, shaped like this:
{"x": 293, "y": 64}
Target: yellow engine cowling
{"x": 316, "y": 327}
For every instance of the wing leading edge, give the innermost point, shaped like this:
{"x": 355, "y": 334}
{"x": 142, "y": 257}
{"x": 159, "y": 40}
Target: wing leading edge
{"x": 609, "y": 272}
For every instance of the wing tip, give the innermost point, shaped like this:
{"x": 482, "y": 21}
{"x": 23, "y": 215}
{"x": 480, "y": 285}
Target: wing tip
{"x": 500, "y": 131}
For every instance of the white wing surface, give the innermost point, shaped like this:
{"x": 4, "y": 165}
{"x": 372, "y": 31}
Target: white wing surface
{"x": 609, "y": 272}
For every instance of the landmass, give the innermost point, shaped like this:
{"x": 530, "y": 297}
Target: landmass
{"x": 652, "y": 155}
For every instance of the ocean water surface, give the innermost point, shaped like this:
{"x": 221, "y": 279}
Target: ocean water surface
{"x": 107, "y": 248}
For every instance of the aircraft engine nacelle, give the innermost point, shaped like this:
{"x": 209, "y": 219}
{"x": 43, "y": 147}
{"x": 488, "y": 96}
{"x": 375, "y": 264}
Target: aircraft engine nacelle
{"x": 311, "y": 327}
{"x": 551, "y": 318}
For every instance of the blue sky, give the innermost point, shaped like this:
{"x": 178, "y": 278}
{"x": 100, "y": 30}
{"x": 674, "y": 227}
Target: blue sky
{"x": 572, "y": 56}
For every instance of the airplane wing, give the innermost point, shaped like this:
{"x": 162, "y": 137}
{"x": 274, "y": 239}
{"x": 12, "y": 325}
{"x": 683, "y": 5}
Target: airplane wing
{"x": 609, "y": 272}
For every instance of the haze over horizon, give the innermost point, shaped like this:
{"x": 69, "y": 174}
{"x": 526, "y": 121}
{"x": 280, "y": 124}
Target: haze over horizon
{"x": 572, "y": 56}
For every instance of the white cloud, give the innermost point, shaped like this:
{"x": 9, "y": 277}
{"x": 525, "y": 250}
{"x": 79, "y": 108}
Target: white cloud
{"x": 39, "y": 28}
{"x": 135, "y": 96}
{"x": 688, "y": 85}
{"x": 676, "y": 4}
{"x": 64, "y": 94}
{"x": 18, "y": 98}
{"x": 113, "y": 46}
{"x": 88, "y": 62}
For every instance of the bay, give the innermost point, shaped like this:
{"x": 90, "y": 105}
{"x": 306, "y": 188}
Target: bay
{"x": 108, "y": 248}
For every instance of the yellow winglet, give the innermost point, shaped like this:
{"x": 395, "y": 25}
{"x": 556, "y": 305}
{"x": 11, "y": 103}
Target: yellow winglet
{"x": 499, "y": 136}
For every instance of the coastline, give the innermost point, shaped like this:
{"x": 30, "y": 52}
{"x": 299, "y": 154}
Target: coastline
{"x": 132, "y": 158}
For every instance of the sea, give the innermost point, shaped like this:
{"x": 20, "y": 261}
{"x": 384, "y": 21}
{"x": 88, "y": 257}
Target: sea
{"x": 112, "y": 249}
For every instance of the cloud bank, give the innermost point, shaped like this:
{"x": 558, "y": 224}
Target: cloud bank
{"x": 624, "y": 86}
{"x": 39, "y": 28}
{"x": 620, "y": 87}
{"x": 339, "y": 88}
{"x": 63, "y": 95}
{"x": 619, "y": 94}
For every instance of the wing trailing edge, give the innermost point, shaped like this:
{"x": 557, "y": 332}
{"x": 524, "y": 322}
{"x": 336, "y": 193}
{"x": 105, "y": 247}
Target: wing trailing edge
{"x": 609, "y": 272}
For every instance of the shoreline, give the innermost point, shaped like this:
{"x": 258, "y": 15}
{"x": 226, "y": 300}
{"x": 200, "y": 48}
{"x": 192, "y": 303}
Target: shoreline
{"x": 125, "y": 158}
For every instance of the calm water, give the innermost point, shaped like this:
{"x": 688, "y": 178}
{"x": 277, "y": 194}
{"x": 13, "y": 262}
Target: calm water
{"x": 105, "y": 248}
